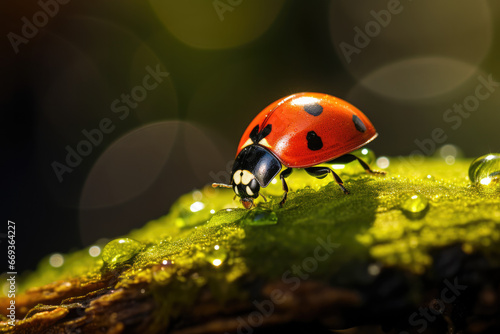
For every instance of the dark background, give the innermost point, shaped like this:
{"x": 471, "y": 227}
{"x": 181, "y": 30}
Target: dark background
{"x": 224, "y": 67}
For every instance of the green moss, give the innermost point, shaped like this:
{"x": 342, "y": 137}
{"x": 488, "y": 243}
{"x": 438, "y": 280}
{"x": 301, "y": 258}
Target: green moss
{"x": 207, "y": 241}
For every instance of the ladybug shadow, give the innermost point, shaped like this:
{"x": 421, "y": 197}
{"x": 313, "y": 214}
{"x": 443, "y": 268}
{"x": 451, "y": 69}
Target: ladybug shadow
{"x": 329, "y": 205}
{"x": 313, "y": 218}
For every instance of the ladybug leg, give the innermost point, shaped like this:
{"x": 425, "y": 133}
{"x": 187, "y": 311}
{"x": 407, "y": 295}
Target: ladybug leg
{"x": 285, "y": 173}
{"x": 346, "y": 158}
{"x": 365, "y": 166}
{"x": 321, "y": 172}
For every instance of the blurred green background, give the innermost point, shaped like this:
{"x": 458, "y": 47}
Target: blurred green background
{"x": 151, "y": 97}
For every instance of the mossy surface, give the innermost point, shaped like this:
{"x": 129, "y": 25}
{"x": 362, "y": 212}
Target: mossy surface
{"x": 366, "y": 225}
{"x": 208, "y": 240}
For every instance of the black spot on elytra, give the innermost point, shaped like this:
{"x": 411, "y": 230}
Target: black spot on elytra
{"x": 253, "y": 133}
{"x": 360, "y": 126}
{"x": 314, "y": 141}
{"x": 257, "y": 136}
{"x": 314, "y": 108}
{"x": 267, "y": 130}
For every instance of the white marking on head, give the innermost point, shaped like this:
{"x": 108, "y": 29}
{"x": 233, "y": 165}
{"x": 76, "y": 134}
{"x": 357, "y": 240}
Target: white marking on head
{"x": 237, "y": 176}
{"x": 247, "y": 143}
{"x": 264, "y": 142}
{"x": 246, "y": 177}
{"x": 249, "y": 191}
{"x": 236, "y": 190}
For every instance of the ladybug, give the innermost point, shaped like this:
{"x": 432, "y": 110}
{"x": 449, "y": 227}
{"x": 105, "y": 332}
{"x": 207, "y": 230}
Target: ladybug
{"x": 298, "y": 131}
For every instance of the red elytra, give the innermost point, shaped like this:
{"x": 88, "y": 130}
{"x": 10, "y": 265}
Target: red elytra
{"x": 311, "y": 128}
{"x": 299, "y": 131}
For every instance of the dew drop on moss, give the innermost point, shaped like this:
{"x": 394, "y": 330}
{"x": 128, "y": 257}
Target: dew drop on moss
{"x": 120, "y": 250}
{"x": 414, "y": 206}
{"x": 260, "y": 217}
{"x": 216, "y": 256}
{"x": 485, "y": 170}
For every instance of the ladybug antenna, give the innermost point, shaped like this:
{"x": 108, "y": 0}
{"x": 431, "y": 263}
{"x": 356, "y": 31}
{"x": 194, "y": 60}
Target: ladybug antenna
{"x": 221, "y": 185}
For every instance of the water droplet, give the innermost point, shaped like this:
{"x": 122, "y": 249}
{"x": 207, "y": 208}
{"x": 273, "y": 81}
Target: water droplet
{"x": 414, "y": 206}
{"x": 366, "y": 154}
{"x": 120, "y": 250}
{"x": 197, "y": 206}
{"x": 485, "y": 170}
{"x": 165, "y": 240}
{"x": 338, "y": 166}
{"x": 216, "y": 256}
{"x": 383, "y": 162}
{"x": 260, "y": 217}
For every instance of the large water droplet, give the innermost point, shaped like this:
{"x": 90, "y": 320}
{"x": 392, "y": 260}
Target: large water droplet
{"x": 260, "y": 217}
{"x": 485, "y": 170}
{"x": 120, "y": 250}
{"x": 414, "y": 206}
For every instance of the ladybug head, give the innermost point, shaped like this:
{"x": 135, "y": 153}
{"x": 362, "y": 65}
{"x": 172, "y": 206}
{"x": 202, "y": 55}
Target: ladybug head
{"x": 246, "y": 186}
{"x": 253, "y": 168}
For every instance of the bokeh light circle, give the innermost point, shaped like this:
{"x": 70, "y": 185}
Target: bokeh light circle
{"x": 422, "y": 77}
{"x": 415, "y": 50}
{"x": 94, "y": 62}
{"x": 129, "y": 166}
{"x": 56, "y": 260}
{"x": 205, "y": 151}
{"x": 216, "y": 24}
